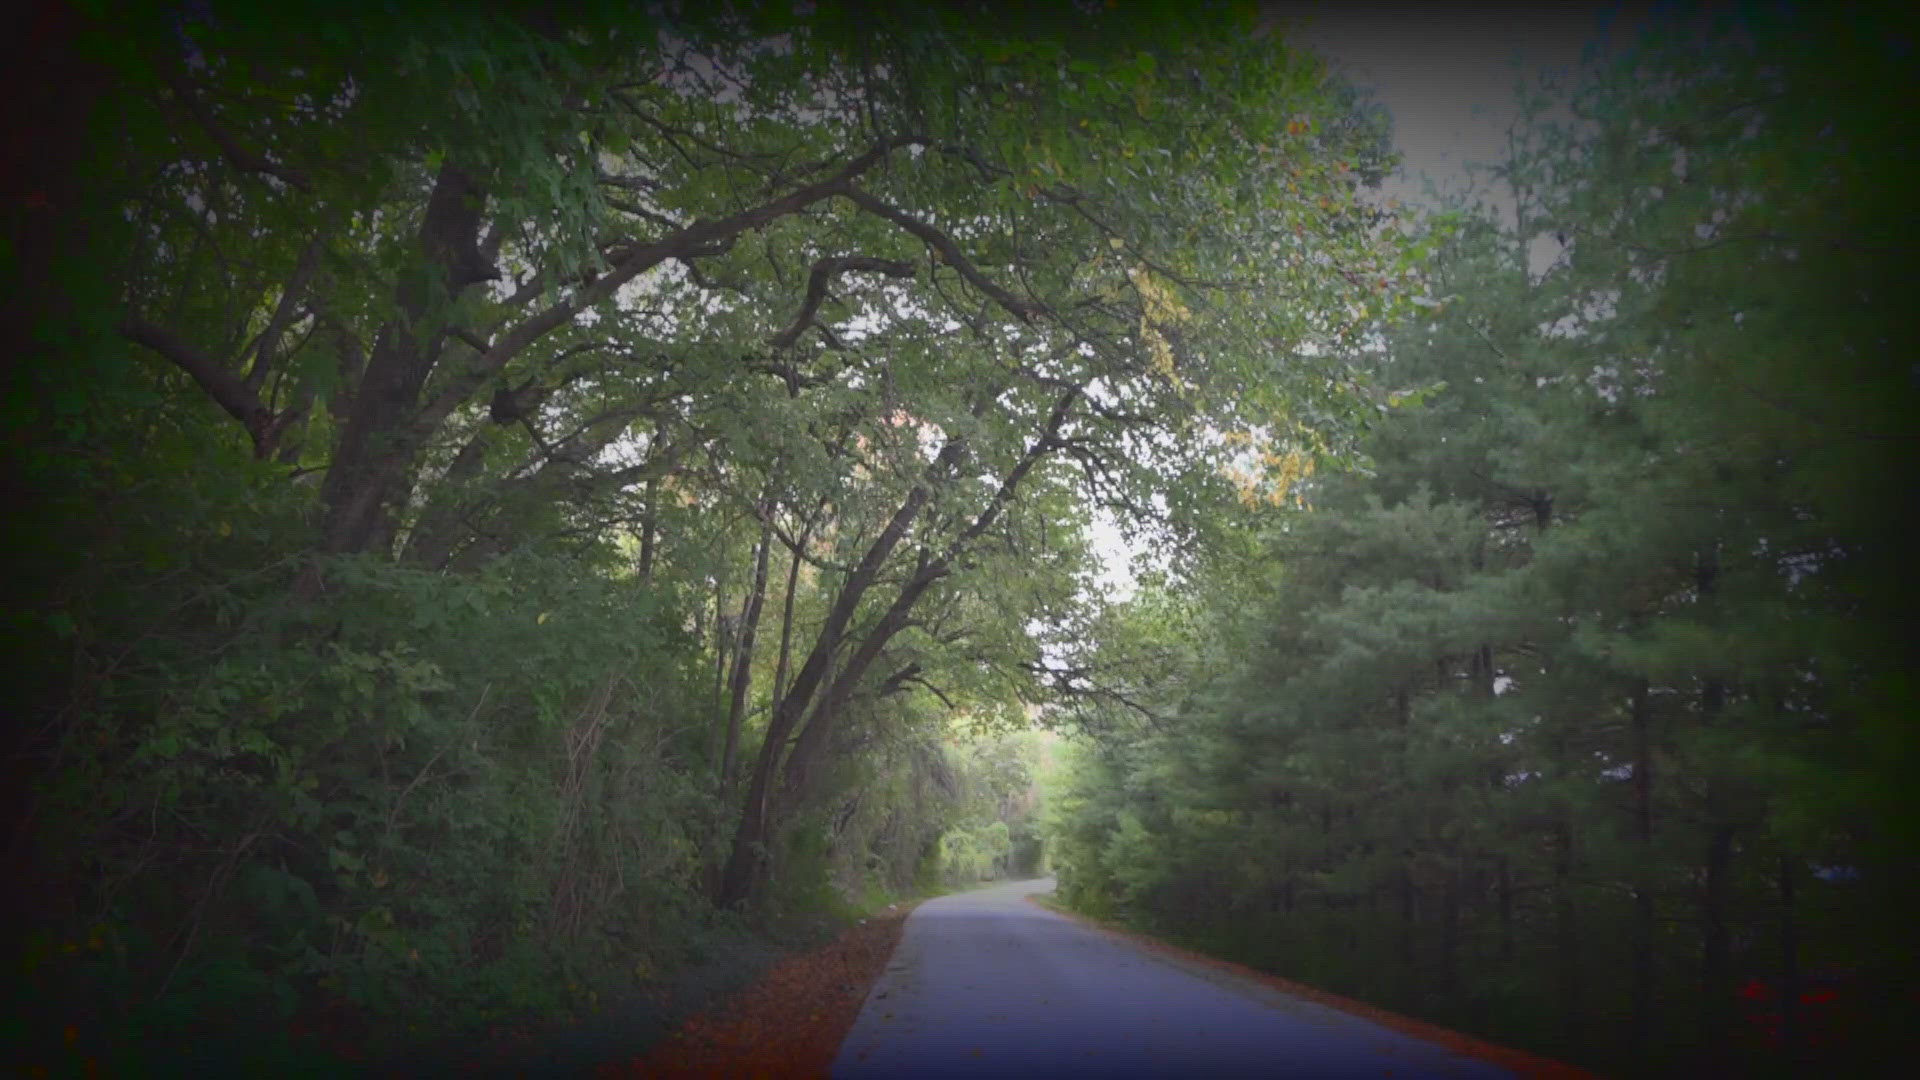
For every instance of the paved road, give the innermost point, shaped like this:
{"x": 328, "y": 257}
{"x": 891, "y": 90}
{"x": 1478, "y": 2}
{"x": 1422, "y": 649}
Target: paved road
{"x": 987, "y": 983}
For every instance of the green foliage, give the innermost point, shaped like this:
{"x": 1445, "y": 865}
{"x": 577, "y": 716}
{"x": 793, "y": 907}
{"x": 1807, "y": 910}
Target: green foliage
{"x": 454, "y": 809}
{"x": 387, "y": 587}
{"x": 1532, "y": 726}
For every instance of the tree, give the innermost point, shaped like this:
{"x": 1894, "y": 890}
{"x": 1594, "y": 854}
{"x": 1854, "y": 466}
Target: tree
{"x": 436, "y": 414}
{"x": 1565, "y": 663}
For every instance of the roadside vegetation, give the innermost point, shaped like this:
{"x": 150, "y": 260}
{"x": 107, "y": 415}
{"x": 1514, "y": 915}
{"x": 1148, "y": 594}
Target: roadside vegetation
{"x": 510, "y": 513}
{"x": 1580, "y": 718}
{"x": 519, "y": 519}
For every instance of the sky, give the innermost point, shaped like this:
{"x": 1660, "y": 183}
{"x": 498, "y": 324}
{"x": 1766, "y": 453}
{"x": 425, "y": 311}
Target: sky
{"x": 1447, "y": 73}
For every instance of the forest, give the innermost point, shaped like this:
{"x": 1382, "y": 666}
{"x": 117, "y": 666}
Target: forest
{"x": 508, "y": 511}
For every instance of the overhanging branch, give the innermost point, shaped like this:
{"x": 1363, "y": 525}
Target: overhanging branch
{"x": 948, "y": 250}
{"x": 823, "y": 271}
{"x": 267, "y": 350}
{"x": 223, "y": 386}
{"x": 701, "y": 237}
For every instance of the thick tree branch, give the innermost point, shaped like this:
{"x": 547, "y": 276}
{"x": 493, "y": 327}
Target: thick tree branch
{"x": 451, "y": 231}
{"x": 929, "y": 570}
{"x": 949, "y": 252}
{"x": 1078, "y": 682}
{"x": 897, "y": 681}
{"x": 645, "y": 214}
{"x": 693, "y": 240}
{"x": 823, "y": 271}
{"x": 223, "y": 386}
{"x": 1048, "y": 442}
{"x": 672, "y": 134}
{"x": 469, "y": 338}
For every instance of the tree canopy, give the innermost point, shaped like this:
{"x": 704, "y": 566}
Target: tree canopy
{"x": 509, "y": 493}
{"x": 493, "y": 470}
{"x": 1573, "y": 717}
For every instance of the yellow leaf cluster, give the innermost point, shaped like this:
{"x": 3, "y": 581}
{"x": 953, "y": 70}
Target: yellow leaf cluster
{"x": 1273, "y": 477}
{"x": 1159, "y": 306}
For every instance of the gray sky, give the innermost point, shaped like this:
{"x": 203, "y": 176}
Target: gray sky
{"x": 1446, "y": 71}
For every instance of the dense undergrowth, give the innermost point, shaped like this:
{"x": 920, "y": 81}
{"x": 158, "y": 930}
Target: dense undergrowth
{"x": 269, "y": 830}
{"x": 413, "y": 805}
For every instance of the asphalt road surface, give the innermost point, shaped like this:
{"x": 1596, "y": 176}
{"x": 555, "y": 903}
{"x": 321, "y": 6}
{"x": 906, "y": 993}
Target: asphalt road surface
{"x": 988, "y": 983}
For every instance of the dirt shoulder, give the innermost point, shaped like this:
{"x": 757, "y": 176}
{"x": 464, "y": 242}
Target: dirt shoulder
{"x": 790, "y": 1022}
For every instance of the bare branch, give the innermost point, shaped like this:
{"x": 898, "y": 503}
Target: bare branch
{"x": 1079, "y": 682}
{"x": 918, "y": 680}
{"x": 673, "y": 133}
{"x": 1048, "y": 442}
{"x": 626, "y": 207}
{"x": 987, "y": 170}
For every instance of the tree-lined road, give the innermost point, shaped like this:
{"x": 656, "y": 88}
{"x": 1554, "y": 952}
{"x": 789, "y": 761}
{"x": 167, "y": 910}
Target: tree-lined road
{"x": 989, "y": 984}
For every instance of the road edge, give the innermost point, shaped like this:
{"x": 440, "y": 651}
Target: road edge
{"x": 788, "y": 1023}
{"x": 1520, "y": 1062}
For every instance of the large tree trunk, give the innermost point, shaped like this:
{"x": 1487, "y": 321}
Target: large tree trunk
{"x": 1716, "y": 974}
{"x": 930, "y": 568}
{"x": 751, "y": 837}
{"x": 743, "y": 655}
{"x": 374, "y": 459}
{"x": 1790, "y": 1036}
{"x": 755, "y": 830}
{"x": 722, "y": 641}
{"x": 743, "y": 865}
{"x": 649, "y": 533}
{"x": 1505, "y": 889}
{"x": 650, "y": 514}
{"x": 786, "y": 613}
{"x": 440, "y": 530}
{"x": 1409, "y": 912}
{"x": 807, "y": 749}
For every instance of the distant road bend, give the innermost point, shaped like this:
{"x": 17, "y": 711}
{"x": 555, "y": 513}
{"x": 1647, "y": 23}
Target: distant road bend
{"x": 987, "y": 983}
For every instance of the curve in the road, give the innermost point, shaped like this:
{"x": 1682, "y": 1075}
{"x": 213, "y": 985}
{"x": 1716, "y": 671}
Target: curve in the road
{"x": 988, "y": 984}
